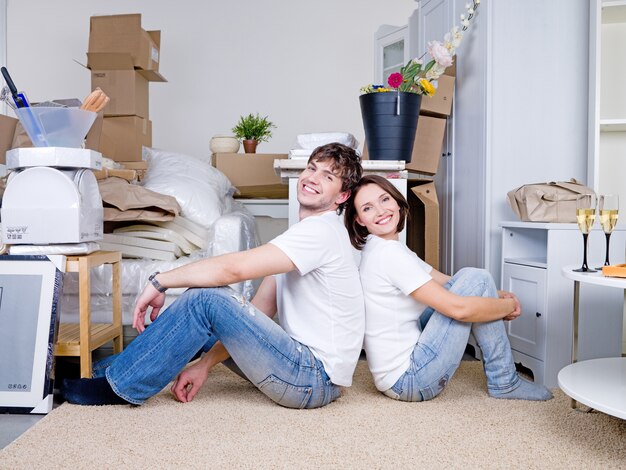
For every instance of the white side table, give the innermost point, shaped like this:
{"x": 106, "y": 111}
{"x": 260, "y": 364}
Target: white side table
{"x": 597, "y": 383}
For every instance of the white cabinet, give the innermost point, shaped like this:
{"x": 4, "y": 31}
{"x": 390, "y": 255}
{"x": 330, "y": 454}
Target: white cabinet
{"x": 510, "y": 125}
{"x": 533, "y": 255}
{"x": 607, "y": 97}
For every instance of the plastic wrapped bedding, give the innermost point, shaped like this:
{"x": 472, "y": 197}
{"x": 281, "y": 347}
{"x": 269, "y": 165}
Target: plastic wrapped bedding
{"x": 233, "y": 231}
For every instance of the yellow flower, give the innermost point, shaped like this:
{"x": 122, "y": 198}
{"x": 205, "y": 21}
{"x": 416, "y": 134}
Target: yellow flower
{"x": 383, "y": 89}
{"x": 427, "y": 87}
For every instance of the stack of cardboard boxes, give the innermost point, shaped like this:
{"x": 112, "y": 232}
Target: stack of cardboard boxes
{"x": 124, "y": 59}
{"x": 423, "y": 224}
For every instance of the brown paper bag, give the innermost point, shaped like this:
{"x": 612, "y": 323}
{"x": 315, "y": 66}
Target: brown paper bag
{"x": 547, "y": 202}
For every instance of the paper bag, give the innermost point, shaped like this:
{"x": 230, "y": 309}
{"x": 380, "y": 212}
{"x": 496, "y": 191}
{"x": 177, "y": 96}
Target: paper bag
{"x": 547, "y": 202}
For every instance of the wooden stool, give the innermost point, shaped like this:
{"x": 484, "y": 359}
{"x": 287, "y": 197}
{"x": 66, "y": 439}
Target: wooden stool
{"x": 80, "y": 339}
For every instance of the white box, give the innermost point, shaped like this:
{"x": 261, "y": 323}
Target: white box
{"x": 59, "y": 157}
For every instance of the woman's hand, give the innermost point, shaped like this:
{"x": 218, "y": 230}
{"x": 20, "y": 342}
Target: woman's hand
{"x": 518, "y": 307}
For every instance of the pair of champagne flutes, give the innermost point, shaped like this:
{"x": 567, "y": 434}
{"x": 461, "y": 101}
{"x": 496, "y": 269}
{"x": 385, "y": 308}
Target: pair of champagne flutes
{"x": 608, "y": 207}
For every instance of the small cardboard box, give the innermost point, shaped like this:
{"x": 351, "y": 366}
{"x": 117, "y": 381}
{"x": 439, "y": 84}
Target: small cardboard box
{"x": 123, "y": 136}
{"x": 440, "y": 104}
{"x": 7, "y": 131}
{"x": 422, "y": 231}
{"x": 252, "y": 174}
{"x": 426, "y": 147}
{"x": 123, "y": 33}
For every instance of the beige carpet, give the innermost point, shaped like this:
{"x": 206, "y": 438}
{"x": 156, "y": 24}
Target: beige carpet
{"x": 232, "y": 425}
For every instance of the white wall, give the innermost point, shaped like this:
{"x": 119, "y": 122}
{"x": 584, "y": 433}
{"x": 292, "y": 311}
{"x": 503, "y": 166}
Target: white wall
{"x": 301, "y": 63}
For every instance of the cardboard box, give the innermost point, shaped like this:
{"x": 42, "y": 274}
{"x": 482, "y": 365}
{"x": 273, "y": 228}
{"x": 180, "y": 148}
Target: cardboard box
{"x": 123, "y": 136}
{"x": 123, "y": 33}
{"x": 440, "y": 104}
{"x": 7, "y": 132}
{"x": 128, "y": 89}
{"x": 252, "y": 174}
{"x": 426, "y": 147}
{"x": 422, "y": 231}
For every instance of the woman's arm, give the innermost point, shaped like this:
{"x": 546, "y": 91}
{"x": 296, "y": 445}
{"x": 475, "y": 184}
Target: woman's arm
{"x": 439, "y": 277}
{"x": 465, "y": 309}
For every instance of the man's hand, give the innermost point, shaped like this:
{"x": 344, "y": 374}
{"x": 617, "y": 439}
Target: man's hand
{"x": 150, "y": 297}
{"x": 518, "y": 307}
{"x": 189, "y": 381}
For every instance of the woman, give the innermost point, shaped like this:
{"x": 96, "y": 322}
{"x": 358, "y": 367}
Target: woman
{"x": 418, "y": 320}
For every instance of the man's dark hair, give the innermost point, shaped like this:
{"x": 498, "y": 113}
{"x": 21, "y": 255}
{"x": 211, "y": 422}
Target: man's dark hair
{"x": 345, "y": 161}
{"x": 358, "y": 234}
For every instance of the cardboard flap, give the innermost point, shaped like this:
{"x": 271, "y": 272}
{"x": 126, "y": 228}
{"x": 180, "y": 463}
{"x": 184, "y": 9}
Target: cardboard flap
{"x": 423, "y": 239}
{"x": 156, "y": 37}
{"x": 111, "y": 24}
{"x": 109, "y": 61}
{"x": 152, "y": 75}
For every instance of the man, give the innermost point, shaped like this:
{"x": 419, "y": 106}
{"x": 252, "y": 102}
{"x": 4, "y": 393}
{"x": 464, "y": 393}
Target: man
{"x": 310, "y": 280}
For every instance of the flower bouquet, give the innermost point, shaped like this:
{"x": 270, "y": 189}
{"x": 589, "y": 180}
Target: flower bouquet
{"x": 390, "y": 119}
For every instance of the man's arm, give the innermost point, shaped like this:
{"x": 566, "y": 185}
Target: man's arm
{"x": 212, "y": 272}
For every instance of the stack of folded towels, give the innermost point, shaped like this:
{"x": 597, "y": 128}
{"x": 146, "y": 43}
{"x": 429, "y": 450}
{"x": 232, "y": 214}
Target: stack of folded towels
{"x": 306, "y": 143}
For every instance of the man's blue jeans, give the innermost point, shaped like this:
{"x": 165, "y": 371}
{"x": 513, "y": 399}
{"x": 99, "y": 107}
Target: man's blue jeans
{"x": 442, "y": 343}
{"x": 281, "y": 367}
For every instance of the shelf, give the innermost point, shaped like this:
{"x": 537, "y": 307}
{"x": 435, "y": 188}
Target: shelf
{"x": 534, "y": 262}
{"x": 612, "y": 125}
{"x": 613, "y": 11}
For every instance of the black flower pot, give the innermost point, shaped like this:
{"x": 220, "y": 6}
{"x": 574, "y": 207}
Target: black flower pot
{"x": 390, "y": 135}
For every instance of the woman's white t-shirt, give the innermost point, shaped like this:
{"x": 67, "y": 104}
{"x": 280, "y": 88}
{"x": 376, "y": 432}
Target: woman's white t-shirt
{"x": 390, "y": 271}
{"x": 320, "y": 304}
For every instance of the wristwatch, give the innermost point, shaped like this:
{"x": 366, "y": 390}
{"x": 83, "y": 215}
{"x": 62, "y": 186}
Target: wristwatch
{"x": 157, "y": 285}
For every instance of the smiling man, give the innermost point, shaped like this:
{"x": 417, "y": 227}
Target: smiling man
{"x": 310, "y": 280}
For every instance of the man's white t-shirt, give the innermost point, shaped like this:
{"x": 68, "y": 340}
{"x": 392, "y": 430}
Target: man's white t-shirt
{"x": 320, "y": 304}
{"x": 390, "y": 271}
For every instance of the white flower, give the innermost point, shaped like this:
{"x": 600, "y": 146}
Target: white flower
{"x": 418, "y": 61}
{"x": 465, "y": 23}
{"x": 470, "y": 10}
{"x": 452, "y": 39}
{"x": 440, "y": 53}
{"x": 462, "y": 17}
{"x": 435, "y": 72}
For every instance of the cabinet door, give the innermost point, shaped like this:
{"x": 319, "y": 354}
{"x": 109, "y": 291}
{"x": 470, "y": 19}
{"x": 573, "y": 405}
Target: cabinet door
{"x": 434, "y": 22}
{"x": 527, "y": 333}
{"x": 392, "y": 52}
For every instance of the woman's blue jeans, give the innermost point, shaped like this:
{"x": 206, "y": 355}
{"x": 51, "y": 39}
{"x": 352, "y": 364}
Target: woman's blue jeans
{"x": 281, "y": 367}
{"x": 442, "y": 343}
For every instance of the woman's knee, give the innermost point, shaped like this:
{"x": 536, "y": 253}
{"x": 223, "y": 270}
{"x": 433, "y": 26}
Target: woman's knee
{"x": 478, "y": 276}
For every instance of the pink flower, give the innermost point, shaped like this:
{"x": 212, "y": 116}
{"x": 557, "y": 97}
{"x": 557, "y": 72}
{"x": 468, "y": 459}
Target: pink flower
{"x": 440, "y": 53}
{"x": 395, "y": 80}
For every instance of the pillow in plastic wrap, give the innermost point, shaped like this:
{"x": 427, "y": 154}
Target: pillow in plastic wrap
{"x": 200, "y": 189}
{"x": 312, "y": 141}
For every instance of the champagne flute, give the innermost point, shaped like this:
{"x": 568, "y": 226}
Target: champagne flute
{"x": 609, "y": 209}
{"x": 585, "y": 217}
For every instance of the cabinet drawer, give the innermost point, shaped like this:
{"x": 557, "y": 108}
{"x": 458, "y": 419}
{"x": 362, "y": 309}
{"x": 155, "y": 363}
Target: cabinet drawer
{"x": 527, "y": 333}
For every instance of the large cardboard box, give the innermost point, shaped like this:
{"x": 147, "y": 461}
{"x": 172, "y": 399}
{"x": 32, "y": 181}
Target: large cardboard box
{"x": 123, "y": 33}
{"x": 7, "y": 131}
{"x": 128, "y": 89}
{"x": 253, "y": 174}
{"x": 422, "y": 231}
{"x": 426, "y": 147}
{"x": 123, "y": 137}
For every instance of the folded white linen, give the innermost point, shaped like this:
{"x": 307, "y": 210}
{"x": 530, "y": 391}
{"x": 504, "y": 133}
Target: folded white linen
{"x": 311, "y": 141}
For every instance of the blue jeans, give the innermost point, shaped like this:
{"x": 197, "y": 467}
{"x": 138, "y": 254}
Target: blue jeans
{"x": 281, "y": 367}
{"x": 442, "y": 343}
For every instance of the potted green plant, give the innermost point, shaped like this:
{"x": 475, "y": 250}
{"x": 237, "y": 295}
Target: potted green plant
{"x": 252, "y": 129}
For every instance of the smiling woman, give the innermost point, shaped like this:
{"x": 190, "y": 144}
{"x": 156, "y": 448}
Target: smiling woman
{"x": 417, "y": 319}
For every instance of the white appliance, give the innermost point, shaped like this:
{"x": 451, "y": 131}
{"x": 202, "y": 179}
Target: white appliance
{"x": 52, "y": 196}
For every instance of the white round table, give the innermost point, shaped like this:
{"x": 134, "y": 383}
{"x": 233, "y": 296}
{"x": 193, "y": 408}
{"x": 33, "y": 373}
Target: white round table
{"x": 597, "y": 383}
